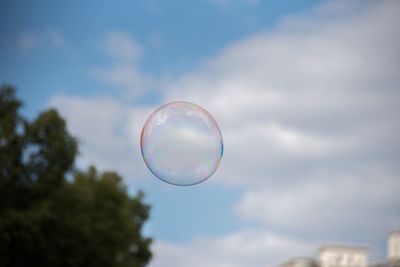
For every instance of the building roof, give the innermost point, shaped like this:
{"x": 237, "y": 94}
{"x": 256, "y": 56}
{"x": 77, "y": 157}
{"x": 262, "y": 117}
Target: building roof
{"x": 358, "y": 248}
{"x": 394, "y": 232}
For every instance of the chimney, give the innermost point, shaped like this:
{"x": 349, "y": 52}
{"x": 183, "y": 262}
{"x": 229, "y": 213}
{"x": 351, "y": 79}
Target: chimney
{"x": 394, "y": 246}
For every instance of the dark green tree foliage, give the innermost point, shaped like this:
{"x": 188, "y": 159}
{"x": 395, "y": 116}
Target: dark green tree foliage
{"x": 49, "y": 220}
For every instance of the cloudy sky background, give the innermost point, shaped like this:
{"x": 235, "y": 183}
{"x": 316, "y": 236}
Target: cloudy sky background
{"x": 306, "y": 95}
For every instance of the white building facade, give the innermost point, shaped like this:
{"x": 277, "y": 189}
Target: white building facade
{"x": 343, "y": 256}
{"x": 394, "y": 246}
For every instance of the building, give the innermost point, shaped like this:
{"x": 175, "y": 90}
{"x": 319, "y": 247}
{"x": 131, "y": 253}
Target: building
{"x": 343, "y": 256}
{"x": 394, "y": 246}
{"x": 349, "y": 256}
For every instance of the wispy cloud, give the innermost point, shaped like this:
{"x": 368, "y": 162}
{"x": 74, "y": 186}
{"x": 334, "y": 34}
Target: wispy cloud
{"x": 33, "y": 40}
{"x": 227, "y": 3}
{"x": 122, "y": 72}
{"x": 156, "y": 39}
{"x": 121, "y": 47}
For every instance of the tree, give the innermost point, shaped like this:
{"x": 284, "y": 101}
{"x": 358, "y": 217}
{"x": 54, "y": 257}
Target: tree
{"x": 49, "y": 220}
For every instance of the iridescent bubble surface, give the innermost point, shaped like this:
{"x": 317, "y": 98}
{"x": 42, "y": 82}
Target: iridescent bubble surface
{"x": 181, "y": 143}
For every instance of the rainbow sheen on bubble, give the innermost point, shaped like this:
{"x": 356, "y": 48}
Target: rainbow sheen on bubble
{"x": 181, "y": 143}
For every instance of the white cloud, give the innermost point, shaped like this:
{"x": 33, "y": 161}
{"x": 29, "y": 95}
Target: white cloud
{"x": 30, "y": 41}
{"x": 108, "y": 133}
{"x": 304, "y": 96}
{"x": 247, "y": 248}
{"x": 329, "y": 205}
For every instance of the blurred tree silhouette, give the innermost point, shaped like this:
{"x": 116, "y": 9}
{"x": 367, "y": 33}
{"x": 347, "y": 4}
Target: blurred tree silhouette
{"x": 49, "y": 220}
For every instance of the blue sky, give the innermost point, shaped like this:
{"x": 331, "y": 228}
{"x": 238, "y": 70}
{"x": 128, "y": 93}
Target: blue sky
{"x": 305, "y": 93}
{"x": 177, "y": 36}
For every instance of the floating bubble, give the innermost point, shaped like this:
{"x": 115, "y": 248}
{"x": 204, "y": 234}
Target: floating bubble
{"x": 181, "y": 143}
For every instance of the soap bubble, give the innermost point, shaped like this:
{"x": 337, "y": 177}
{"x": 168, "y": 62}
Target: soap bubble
{"x": 181, "y": 143}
